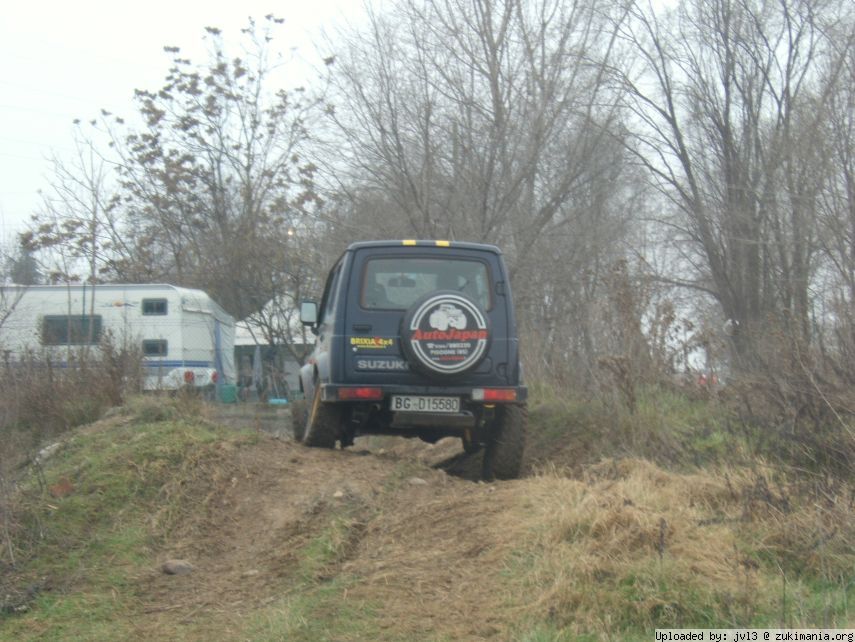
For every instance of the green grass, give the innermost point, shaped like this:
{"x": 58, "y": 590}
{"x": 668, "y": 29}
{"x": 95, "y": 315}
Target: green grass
{"x": 316, "y": 605}
{"x": 128, "y": 485}
{"x": 547, "y": 632}
{"x": 132, "y": 481}
{"x": 329, "y": 548}
{"x": 313, "y": 612}
{"x": 99, "y": 615}
{"x": 630, "y": 607}
{"x": 673, "y": 429}
{"x": 804, "y": 565}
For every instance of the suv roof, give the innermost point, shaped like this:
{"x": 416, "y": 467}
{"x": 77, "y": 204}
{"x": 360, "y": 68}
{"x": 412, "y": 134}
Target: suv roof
{"x": 463, "y": 245}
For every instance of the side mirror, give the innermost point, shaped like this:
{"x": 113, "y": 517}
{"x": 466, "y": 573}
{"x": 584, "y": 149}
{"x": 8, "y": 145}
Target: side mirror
{"x": 309, "y": 313}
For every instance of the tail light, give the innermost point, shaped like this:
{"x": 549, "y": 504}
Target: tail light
{"x": 189, "y": 377}
{"x": 494, "y": 394}
{"x": 360, "y": 394}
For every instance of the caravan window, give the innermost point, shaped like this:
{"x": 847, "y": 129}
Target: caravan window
{"x": 60, "y": 330}
{"x": 154, "y": 347}
{"x": 154, "y": 307}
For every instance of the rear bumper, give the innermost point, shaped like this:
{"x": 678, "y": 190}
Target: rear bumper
{"x": 332, "y": 392}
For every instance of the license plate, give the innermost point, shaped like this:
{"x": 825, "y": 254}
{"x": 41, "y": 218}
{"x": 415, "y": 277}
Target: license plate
{"x": 416, "y": 403}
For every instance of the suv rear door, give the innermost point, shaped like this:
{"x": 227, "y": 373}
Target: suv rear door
{"x": 383, "y": 283}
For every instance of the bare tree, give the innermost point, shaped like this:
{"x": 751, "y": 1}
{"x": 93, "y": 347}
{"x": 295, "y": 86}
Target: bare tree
{"x": 728, "y": 105}
{"x": 206, "y": 193}
{"x": 22, "y": 267}
{"x": 75, "y": 228}
{"x": 216, "y": 180}
{"x": 836, "y": 217}
{"x": 277, "y": 322}
{"x": 492, "y": 122}
{"x": 478, "y": 114}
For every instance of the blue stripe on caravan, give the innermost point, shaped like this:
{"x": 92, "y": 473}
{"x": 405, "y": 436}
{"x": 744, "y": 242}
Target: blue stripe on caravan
{"x": 145, "y": 364}
{"x": 177, "y": 364}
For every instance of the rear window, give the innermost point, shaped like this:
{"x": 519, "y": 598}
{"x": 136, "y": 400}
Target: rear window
{"x": 396, "y": 283}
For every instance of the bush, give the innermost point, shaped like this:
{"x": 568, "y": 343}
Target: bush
{"x": 42, "y": 399}
{"x": 45, "y": 397}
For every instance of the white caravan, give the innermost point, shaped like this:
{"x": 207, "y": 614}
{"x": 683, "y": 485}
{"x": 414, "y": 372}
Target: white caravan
{"x": 184, "y": 336}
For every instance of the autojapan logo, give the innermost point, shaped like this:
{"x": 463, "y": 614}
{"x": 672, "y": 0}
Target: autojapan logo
{"x": 448, "y": 334}
{"x": 447, "y": 315}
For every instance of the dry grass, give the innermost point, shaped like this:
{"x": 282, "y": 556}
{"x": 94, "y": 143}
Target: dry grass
{"x": 435, "y": 558}
{"x": 305, "y": 544}
{"x": 631, "y": 546}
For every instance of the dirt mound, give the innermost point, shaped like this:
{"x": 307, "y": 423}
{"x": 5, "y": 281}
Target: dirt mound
{"x": 410, "y": 537}
{"x": 380, "y": 542}
{"x": 435, "y": 558}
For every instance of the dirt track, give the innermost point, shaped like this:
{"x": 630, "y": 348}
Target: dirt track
{"x": 412, "y": 535}
{"x": 380, "y": 542}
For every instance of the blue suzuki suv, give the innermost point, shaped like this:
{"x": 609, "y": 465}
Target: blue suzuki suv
{"x": 417, "y": 339}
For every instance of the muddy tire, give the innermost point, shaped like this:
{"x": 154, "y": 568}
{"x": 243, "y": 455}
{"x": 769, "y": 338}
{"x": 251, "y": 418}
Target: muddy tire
{"x": 299, "y": 417}
{"x": 470, "y": 447}
{"x": 323, "y": 425}
{"x": 503, "y": 455}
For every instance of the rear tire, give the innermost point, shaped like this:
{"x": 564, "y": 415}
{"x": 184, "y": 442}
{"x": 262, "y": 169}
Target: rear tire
{"x": 323, "y": 426}
{"x": 470, "y": 447}
{"x": 503, "y": 455}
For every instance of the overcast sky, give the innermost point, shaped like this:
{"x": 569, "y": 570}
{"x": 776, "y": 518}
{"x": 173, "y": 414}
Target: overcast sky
{"x": 61, "y": 60}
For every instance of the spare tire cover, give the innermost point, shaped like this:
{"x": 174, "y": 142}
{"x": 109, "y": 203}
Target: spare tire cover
{"x": 445, "y": 333}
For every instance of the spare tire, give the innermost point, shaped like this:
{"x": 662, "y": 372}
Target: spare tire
{"x": 444, "y": 334}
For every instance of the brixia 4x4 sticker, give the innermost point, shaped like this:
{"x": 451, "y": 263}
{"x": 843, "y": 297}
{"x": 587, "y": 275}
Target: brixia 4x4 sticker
{"x": 448, "y": 333}
{"x": 370, "y": 343}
